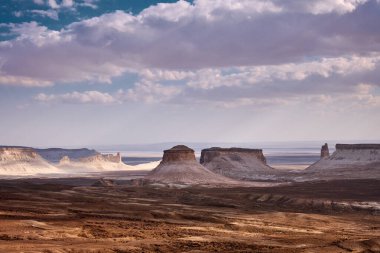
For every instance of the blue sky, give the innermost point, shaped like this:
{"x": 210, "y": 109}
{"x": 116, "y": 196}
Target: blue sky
{"x": 97, "y": 72}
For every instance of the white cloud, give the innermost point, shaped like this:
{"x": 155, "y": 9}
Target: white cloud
{"x": 144, "y": 91}
{"x": 39, "y": 2}
{"x": 318, "y": 7}
{"x": 53, "y": 4}
{"x": 211, "y": 78}
{"x": 36, "y": 35}
{"x": 18, "y": 14}
{"x": 209, "y": 43}
{"x": 87, "y": 97}
{"x": 89, "y": 3}
{"x": 339, "y": 6}
{"x": 67, "y": 3}
{"x": 149, "y": 92}
{"x": 49, "y": 13}
{"x": 22, "y": 81}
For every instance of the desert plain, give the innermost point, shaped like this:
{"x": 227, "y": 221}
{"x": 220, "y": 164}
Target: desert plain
{"x": 71, "y": 215}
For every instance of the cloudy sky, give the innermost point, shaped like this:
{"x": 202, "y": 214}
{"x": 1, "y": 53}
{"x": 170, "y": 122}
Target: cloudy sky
{"x": 99, "y": 72}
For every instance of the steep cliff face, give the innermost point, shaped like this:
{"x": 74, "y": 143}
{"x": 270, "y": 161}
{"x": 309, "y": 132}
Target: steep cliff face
{"x": 179, "y": 165}
{"x": 101, "y": 158}
{"x": 20, "y": 161}
{"x": 178, "y": 153}
{"x": 238, "y": 163}
{"x": 350, "y": 156}
{"x": 325, "y": 151}
{"x": 54, "y": 155}
{"x": 94, "y": 163}
{"x": 17, "y": 154}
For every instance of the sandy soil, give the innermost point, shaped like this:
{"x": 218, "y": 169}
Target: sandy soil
{"x": 68, "y": 215}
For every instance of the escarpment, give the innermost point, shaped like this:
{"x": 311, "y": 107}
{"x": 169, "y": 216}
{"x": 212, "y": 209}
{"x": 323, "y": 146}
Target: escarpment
{"x": 97, "y": 162}
{"x": 21, "y": 161}
{"x": 179, "y": 166}
{"x": 353, "y": 160}
{"x": 238, "y": 163}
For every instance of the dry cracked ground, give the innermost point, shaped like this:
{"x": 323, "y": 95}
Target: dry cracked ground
{"x": 68, "y": 215}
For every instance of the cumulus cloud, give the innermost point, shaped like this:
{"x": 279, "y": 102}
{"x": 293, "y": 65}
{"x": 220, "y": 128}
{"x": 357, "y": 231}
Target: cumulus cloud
{"x": 223, "y": 52}
{"x": 325, "y": 67}
{"x": 185, "y": 36}
{"x": 318, "y": 7}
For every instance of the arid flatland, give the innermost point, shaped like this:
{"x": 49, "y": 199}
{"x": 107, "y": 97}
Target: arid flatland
{"x": 68, "y": 215}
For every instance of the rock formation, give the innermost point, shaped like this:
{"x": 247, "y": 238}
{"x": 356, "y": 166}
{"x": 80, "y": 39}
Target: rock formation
{"x": 351, "y": 160}
{"x": 102, "y": 158}
{"x": 54, "y": 155}
{"x": 94, "y": 163}
{"x": 325, "y": 151}
{"x": 179, "y": 166}
{"x": 22, "y": 161}
{"x": 238, "y": 163}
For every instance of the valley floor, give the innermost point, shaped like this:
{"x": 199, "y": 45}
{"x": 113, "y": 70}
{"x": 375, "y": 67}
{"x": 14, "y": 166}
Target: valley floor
{"x": 57, "y": 215}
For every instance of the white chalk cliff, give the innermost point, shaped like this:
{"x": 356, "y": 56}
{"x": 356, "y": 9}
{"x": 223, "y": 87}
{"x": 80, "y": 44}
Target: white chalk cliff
{"x": 349, "y": 161}
{"x": 350, "y": 156}
{"x": 95, "y": 163}
{"x": 21, "y": 161}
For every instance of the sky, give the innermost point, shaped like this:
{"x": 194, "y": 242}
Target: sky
{"x": 107, "y": 72}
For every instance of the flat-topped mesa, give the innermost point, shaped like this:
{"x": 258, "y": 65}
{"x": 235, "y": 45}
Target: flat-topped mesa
{"x": 237, "y": 163}
{"x": 353, "y": 158}
{"x": 179, "y": 166}
{"x": 179, "y": 153}
{"x": 209, "y": 154}
{"x": 325, "y": 151}
{"x": 356, "y": 146}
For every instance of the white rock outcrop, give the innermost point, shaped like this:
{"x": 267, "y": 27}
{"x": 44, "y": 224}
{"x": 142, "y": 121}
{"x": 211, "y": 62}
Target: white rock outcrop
{"x": 95, "y": 163}
{"x": 22, "y": 161}
{"x": 350, "y": 156}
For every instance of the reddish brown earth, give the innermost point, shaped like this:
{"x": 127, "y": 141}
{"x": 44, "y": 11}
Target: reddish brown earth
{"x": 68, "y": 215}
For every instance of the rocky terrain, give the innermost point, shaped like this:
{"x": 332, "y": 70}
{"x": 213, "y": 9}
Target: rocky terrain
{"x": 54, "y": 155}
{"x": 21, "y": 161}
{"x": 31, "y": 162}
{"x": 70, "y": 215}
{"x": 94, "y": 163}
{"x": 182, "y": 206}
{"x": 179, "y": 166}
{"x": 237, "y": 163}
{"x": 348, "y": 161}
